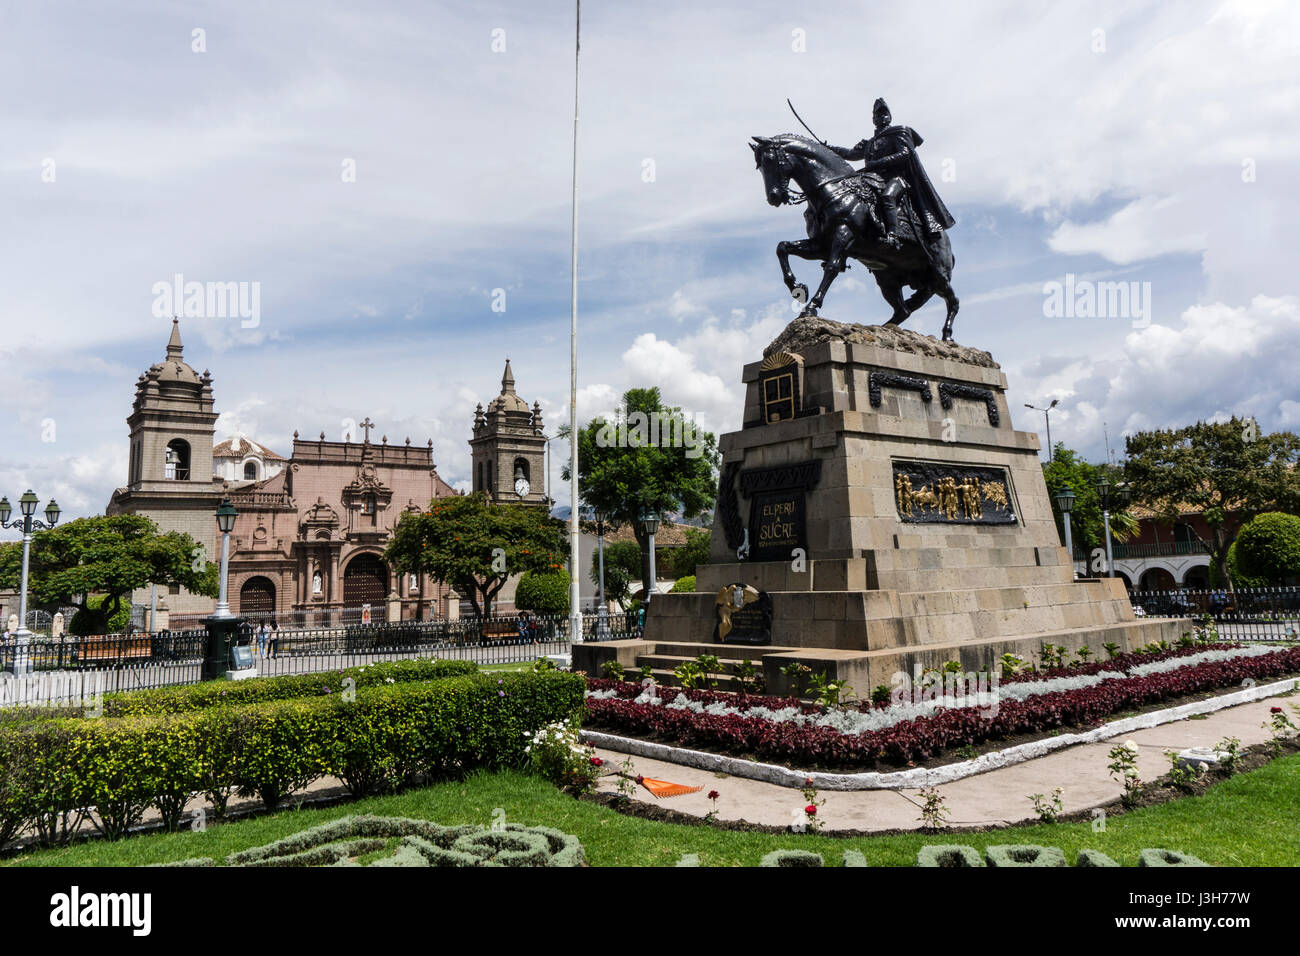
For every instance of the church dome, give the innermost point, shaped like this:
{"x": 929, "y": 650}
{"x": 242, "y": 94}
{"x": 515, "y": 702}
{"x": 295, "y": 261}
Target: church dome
{"x": 508, "y": 401}
{"x": 174, "y": 369}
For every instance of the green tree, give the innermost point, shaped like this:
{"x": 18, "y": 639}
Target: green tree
{"x": 622, "y": 567}
{"x": 95, "y": 563}
{"x": 649, "y": 456}
{"x": 1087, "y": 525}
{"x": 1227, "y": 471}
{"x": 546, "y": 592}
{"x": 475, "y": 546}
{"x": 1267, "y": 549}
{"x": 692, "y": 554}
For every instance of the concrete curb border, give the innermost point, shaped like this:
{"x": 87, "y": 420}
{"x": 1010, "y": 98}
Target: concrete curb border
{"x": 926, "y": 776}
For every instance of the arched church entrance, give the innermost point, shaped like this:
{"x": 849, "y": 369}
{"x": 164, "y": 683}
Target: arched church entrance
{"x": 365, "y": 581}
{"x": 257, "y": 597}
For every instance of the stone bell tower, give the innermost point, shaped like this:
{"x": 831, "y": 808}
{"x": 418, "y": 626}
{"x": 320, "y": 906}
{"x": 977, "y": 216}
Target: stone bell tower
{"x": 169, "y": 472}
{"x": 508, "y": 450}
{"x": 172, "y": 424}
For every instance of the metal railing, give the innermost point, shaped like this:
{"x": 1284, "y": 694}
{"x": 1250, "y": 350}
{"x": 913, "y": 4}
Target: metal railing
{"x": 1163, "y": 549}
{"x": 1247, "y": 614}
{"x": 119, "y": 662}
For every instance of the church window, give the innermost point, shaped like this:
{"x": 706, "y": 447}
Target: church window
{"x": 250, "y": 469}
{"x": 177, "y": 460}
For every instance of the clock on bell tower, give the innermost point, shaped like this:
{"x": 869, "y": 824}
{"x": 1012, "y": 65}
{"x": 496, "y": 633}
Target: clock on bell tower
{"x": 508, "y": 450}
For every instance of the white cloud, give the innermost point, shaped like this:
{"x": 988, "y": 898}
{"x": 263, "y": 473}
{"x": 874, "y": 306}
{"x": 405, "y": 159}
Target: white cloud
{"x": 1218, "y": 362}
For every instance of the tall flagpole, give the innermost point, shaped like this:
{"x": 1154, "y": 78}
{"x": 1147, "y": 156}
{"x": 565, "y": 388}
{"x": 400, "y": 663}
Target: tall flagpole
{"x": 575, "y": 610}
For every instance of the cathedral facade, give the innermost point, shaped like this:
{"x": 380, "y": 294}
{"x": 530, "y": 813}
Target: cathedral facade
{"x": 311, "y": 529}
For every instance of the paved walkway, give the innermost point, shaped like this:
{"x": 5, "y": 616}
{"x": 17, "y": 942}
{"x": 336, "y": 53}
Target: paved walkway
{"x": 996, "y": 797}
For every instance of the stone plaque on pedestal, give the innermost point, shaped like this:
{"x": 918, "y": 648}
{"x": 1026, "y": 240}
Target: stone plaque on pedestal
{"x": 742, "y": 615}
{"x": 952, "y": 494}
{"x": 778, "y": 509}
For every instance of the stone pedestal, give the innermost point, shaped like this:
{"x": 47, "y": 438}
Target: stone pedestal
{"x": 879, "y": 496}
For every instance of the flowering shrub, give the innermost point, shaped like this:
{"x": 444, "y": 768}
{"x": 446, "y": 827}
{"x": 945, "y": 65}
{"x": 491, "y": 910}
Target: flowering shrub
{"x": 1280, "y": 726}
{"x": 741, "y": 725}
{"x": 1123, "y": 767}
{"x": 555, "y": 753}
{"x": 1048, "y": 810}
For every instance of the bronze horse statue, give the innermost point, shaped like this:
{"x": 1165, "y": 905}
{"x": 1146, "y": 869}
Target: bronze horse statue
{"x": 843, "y": 222}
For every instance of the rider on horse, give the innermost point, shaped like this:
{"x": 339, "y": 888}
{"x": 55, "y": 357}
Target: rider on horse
{"x": 891, "y": 154}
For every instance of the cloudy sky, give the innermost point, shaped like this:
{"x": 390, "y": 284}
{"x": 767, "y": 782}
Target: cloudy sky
{"x": 389, "y": 172}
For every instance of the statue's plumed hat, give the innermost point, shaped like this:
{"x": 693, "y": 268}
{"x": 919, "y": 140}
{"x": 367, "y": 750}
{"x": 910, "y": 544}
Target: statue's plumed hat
{"x": 880, "y": 104}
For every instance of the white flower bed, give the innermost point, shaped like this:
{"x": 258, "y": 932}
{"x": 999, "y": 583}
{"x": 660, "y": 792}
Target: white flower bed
{"x": 851, "y": 721}
{"x": 1174, "y": 663}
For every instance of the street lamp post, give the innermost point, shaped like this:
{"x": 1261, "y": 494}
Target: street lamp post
{"x": 225, "y": 524}
{"x": 1120, "y": 494}
{"x": 602, "y": 612}
{"x": 1047, "y": 417}
{"x": 1065, "y": 502}
{"x": 222, "y": 625}
{"x": 649, "y": 525}
{"x": 27, "y": 506}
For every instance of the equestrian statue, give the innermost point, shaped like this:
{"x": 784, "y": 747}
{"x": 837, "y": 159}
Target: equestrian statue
{"x": 885, "y": 215}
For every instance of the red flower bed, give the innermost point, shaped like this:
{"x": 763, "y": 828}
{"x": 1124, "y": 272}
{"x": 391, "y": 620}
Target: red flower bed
{"x": 743, "y": 701}
{"x": 918, "y": 739}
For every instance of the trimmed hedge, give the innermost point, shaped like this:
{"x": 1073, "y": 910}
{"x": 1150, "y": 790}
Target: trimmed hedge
{"x": 176, "y": 700}
{"x": 421, "y": 843}
{"x": 117, "y": 767}
{"x": 544, "y": 593}
{"x": 1089, "y": 857}
{"x": 183, "y": 698}
{"x": 792, "y": 858}
{"x": 1024, "y": 854}
{"x": 1161, "y": 858}
{"x": 952, "y": 855}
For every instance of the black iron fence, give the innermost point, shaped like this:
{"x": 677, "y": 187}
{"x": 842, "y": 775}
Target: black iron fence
{"x": 1247, "y": 614}
{"x": 117, "y": 662}
{"x": 44, "y": 653}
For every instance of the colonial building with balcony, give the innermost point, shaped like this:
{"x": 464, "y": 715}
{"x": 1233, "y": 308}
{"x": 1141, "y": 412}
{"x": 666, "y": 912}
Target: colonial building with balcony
{"x": 1161, "y": 557}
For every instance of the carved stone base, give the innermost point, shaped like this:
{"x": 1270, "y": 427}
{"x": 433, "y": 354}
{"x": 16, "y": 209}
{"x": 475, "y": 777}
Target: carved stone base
{"x": 903, "y": 521}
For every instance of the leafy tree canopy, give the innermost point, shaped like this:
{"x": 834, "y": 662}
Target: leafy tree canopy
{"x": 544, "y": 592}
{"x": 650, "y": 456}
{"x": 1087, "y": 526}
{"x": 107, "y": 555}
{"x": 692, "y": 554}
{"x": 475, "y": 546}
{"x": 1228, "y": 471}
{"x": 622, "y": 567}
{"x": 1267, "y": 549}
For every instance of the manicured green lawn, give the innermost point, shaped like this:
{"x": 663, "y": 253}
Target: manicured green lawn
{"x": 520, "y": 666}
{"x": 1249, "y": 820}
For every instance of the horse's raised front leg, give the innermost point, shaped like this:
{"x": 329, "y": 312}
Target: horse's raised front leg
{"x": 841, "y": 243}
{"x": 804, "y": 249}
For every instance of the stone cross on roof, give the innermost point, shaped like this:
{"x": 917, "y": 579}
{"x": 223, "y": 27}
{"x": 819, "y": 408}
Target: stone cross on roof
{"x": 367, "y": 425}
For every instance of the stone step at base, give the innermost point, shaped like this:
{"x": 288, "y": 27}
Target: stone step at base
{"x": 726, "y": 652}
{"x": 723, "y": 681}
{"x": 866, "y": 669}
{"x": 670, "y": 661}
